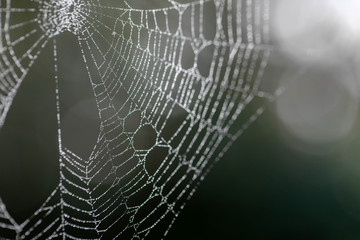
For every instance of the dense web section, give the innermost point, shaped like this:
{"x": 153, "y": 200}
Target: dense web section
{"x": 190, "y": 74}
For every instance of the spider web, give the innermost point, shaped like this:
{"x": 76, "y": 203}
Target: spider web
{"x": 190, "y": 73}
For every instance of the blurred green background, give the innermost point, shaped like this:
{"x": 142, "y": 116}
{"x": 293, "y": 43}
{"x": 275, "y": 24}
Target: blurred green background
{"x": 280, "y": 180}
{"x": 264, "y": 189}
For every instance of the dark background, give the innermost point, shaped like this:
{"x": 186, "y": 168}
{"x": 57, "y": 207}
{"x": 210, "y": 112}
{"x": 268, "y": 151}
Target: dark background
{"x": 264, "y": 189}
{"x": 269, "y": 185}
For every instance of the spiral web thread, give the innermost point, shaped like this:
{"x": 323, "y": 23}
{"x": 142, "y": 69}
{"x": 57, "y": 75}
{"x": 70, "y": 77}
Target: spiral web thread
{"x": 191, "y": 75}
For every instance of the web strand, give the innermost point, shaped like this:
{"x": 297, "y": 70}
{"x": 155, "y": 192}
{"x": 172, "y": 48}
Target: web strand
{"x": 174, "y": 88}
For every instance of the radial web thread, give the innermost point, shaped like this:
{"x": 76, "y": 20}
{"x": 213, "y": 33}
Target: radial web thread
{"x": 190, "y": 74}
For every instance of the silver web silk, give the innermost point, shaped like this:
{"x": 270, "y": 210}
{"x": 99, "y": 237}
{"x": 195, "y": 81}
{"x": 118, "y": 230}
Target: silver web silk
{"x": 186, "y": 75}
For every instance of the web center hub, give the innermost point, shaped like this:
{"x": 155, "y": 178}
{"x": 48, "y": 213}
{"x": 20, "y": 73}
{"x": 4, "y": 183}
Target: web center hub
{"x": 58, "y": 16}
